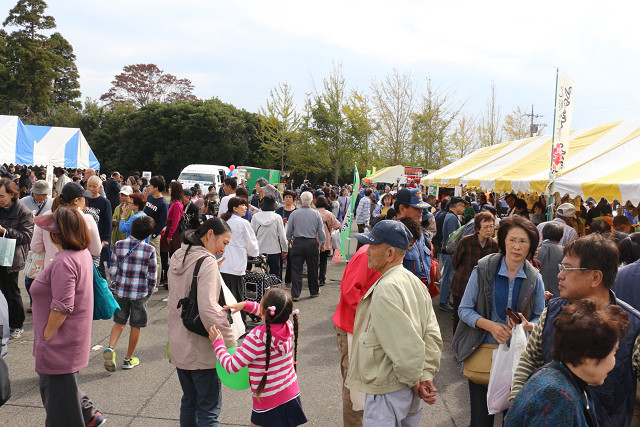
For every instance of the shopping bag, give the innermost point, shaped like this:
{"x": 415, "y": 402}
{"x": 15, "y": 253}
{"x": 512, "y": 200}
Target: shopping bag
{"x": 7, "y": 250}
{"x": 34, "y": 264}
{"x": 237, "y": 325}
{"x": 104, "y": 304}
{"x": 505, "y": 361}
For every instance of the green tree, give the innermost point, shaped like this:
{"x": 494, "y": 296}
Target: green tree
{"x": 463, "y": 139}
{"x": 279, "y": 126}
{"x": 360, "y": 128}
{"x": 39, "y": 72}
{"x": 431, "y": 127}
{"x": 327, "y": 125}
{"x": 516, "y": 125}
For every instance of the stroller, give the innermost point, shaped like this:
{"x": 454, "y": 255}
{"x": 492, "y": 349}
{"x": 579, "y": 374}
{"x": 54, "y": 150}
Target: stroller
{"x": 257, "y": 280}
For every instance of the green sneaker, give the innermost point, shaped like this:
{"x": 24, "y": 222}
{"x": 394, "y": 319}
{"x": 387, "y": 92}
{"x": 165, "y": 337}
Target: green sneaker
{"x": 130, "y": 363}
{"x": 109, "y": 355}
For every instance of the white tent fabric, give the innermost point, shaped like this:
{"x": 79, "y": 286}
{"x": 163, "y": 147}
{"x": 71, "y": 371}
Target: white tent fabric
{"x": 387, "y": 175}
{"x": 601, "y": 162}
{"x": 39, "y": 145}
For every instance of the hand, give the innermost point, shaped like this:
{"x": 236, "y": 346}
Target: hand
{"x": 284, "y": 255}
{"x": 214, "y": 334}
{"x": 104, "y": 244}
{"x": 426, "y": 391}
{"x": 220, "y": 261}
{"x": 500, "y": 332}
{"x": 169, "y": 240}
{"x": 547, "y": 295}
{"x": 526, "y": 325}
{"x": 235, "y": 307}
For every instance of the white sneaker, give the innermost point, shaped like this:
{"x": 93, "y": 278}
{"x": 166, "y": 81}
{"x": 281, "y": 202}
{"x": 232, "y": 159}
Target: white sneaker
{"x": 16, "y": 333}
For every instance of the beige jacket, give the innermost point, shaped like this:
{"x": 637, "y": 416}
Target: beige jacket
{"x": 396, "y": 337}
{"x": 191, "y": 351}
{"x": 330, "y": 223}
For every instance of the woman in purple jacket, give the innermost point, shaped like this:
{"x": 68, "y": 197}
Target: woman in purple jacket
{"x": 62, "y": 317}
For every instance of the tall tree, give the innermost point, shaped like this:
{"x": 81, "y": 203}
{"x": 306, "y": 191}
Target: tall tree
{"x": 360, "y": 128}
{"x": 489, "y": 129}
{"x": 463, "y": 139}
{"x": 145, "y": 83}
{"x": 38, "y": 72}
{"x": 279, "y": 125}
{"x": 327, "y": 124}
{"x": 394, "y": 107}
{"x": 516, "y": 125}
{"x": 432, "y": 126}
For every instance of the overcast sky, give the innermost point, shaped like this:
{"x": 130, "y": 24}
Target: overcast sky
{"x": 238, "y": 50}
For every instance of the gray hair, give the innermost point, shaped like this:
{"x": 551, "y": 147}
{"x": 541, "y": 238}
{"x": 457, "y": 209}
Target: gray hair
{"x": 94, "y": 178}
{"x": 306, "y": 197}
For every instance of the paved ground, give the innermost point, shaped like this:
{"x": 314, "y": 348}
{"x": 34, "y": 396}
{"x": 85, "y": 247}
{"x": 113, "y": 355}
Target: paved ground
{"x": 150, "y": 393}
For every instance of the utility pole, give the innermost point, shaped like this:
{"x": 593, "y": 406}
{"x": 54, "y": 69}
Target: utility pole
{"x": 534, "y": 126}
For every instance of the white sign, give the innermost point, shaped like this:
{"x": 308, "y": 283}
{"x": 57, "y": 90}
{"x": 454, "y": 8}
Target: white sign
{"x": 146, "y": 174}
{"x": 564, "y": 111}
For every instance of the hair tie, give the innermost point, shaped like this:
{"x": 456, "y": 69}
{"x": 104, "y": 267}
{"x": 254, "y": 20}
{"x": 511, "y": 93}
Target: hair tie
{"x": 272, "y": 310}
{"x": 295, "y": 312}
{"x": 266, "y": 371}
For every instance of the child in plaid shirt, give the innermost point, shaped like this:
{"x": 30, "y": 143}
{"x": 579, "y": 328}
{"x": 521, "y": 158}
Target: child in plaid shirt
{"x": 133, "y": 270}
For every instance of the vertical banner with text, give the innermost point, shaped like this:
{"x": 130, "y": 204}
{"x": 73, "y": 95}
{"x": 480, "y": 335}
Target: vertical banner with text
{"x": 345, "y": 230}
{"x": 562, "y": 122}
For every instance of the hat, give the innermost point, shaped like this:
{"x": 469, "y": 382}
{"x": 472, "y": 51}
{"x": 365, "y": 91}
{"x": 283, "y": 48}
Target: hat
{"x": 455, "y": 200}
{"x": 411, "y": 197}
{"x": 269, "y": 189}
{"x": 126, "y": 190}
{"x": 47, "y": 222}
{"x": 71, "y": 190}
{"x": 393, "y": 233}
{"x": 40, "y": 187}
{"x": 269, "y": 203}
{"x": 187, "y": 193}
{"x": 566, "y": 210}
{"x": 318, "y": 193}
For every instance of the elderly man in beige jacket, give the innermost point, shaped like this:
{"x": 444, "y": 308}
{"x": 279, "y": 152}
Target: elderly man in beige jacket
{"x": 396, "y": 337}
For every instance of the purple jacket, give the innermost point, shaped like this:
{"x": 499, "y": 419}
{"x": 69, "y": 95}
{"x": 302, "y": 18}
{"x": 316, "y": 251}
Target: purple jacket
{"x": 66, "y": 284}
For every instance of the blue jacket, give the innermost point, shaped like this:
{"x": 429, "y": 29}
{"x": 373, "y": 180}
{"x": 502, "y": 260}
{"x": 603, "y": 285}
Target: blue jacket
{"x": 418, "y": 259}
{"x": 615, "y": 398}
{"x": 627, "y": 285}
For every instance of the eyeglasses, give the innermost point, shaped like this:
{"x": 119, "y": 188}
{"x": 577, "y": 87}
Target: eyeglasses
{"x": 521, "y": 242}
{"x": 488, "y": 227}
{"x": 561, "y": 267}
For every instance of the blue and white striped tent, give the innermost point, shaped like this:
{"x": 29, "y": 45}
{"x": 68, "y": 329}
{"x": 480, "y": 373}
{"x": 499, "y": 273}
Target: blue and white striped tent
{"x": 39, "y": 145}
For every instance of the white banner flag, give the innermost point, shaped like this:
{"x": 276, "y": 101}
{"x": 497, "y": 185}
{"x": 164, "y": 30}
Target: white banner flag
{"x": 561, "y": 126}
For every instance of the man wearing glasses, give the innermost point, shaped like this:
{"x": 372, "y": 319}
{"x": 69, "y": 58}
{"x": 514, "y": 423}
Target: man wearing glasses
{"x": 588, "y": 270}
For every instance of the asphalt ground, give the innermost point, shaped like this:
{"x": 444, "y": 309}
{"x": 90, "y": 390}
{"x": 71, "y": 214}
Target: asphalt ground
{"x": 150, "y": 393}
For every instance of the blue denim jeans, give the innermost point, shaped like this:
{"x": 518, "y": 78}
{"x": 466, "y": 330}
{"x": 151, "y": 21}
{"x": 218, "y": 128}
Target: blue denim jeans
{"x": 201, "y": 399}
{"x": 445, "y": 282}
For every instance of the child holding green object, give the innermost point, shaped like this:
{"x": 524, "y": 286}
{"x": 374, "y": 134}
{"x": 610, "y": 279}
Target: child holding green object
{"x": 276, "y": 395}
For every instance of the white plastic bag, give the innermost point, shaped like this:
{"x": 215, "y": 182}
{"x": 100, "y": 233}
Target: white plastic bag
{"x": 238, "y": 325}
{"x": 503, "y": 367}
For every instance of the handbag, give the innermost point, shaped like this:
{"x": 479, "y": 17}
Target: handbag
{"x": 335, "y": 239}
{"x": 7, "y": 250}
{"x": 505, "y": 362}
{"x": 5, "y": 384}
{"x": 104, "y": 304}
{"x": 432, "y": 287}
{"x": 190, "y": 314}
{"x": 477, "y": 367}
{"x": 34, "y": 264}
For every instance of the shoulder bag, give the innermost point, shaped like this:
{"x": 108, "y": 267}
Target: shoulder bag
{"x": 104, "y": 304}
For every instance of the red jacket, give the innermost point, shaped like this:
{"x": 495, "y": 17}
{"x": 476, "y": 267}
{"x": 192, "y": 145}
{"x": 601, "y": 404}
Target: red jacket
{"x": 356, "y": 281}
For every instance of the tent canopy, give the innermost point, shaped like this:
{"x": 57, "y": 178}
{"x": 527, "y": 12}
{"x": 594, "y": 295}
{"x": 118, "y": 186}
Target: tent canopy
{"x": 390, "y": 174}
{"x": 39, "y": 145}
{"x": 601, "y": 162}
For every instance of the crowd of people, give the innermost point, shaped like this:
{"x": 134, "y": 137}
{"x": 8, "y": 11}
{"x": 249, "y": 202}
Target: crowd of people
{"x": 568, "y": 277}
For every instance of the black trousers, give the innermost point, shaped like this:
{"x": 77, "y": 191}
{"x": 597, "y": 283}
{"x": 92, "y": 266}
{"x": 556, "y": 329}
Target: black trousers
{"x": 11, "y": 291}
{"x": 324, "y": 256}
{"x": 361, "y": 229}
{"x": 236, "y": 286}
{"x": 304, "y": 250}
{"x": 64, "y": 402}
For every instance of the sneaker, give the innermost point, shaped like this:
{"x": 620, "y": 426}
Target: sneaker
{"x": 16, "y": 333}
{"x": 97, "y": 420}
{"x": 130, "y": 363}
{"x": 295, "y": 298}
{"x": 109, "y": 355}
{"x": 446, "y": 307}
{"x": 316, "y": 295}
{"x": 29, "y": 309}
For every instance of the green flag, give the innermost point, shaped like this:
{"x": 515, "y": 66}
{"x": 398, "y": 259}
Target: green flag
{"x": 345, "y": 231}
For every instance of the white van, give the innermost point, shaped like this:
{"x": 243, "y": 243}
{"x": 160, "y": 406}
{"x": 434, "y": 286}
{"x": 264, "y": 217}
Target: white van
{"x": 205, "y": 175}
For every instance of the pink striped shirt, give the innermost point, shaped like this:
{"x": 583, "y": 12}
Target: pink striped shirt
{"x": 282, "y": 382}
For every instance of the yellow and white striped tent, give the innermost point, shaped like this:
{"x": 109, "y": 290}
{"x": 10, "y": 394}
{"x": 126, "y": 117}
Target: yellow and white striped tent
{"x": 602, "y": 161}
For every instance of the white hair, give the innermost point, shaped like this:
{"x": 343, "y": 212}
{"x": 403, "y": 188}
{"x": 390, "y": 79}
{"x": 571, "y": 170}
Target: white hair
{"x": 306, "y": 197}
{"x": 94, "y": 178}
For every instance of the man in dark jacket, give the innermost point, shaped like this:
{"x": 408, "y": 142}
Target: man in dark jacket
{"x": 100, "y": 208}
{"x": 112, "y": 189}
{"x": 16, "y": 222}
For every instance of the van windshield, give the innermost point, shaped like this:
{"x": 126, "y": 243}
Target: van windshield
{"x": 201, "y": 177}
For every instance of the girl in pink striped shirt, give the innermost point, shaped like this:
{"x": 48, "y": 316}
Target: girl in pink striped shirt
{"x": 272, "y": 372}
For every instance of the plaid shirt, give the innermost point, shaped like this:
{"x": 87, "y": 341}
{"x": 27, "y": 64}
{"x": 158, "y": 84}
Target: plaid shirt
{"x": 135, "y": 275}
{"x": 465, "y": 258}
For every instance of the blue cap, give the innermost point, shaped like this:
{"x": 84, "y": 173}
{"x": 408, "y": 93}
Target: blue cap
{"x": 393, "y": 233}
{"x": 411, "y": 197}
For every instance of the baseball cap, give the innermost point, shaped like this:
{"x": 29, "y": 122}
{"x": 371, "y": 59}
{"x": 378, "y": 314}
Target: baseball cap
{"x": 566, "y": 210}
{"x": 393, "y": 233}
{"x": 126, "y": 190}
{"x": 318, "y": 193}
{"x": 187, "y": 192}
{"x": 40, "y": 187}
{"x": 455, "y": 200}
{"x": 71, "y": 190}
{"x": 411, "y": 197}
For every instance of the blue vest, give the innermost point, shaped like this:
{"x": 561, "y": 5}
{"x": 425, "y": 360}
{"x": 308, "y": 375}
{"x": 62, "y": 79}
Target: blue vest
{"x": 418, "y": 259}
{"x": 615, "y": 398}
